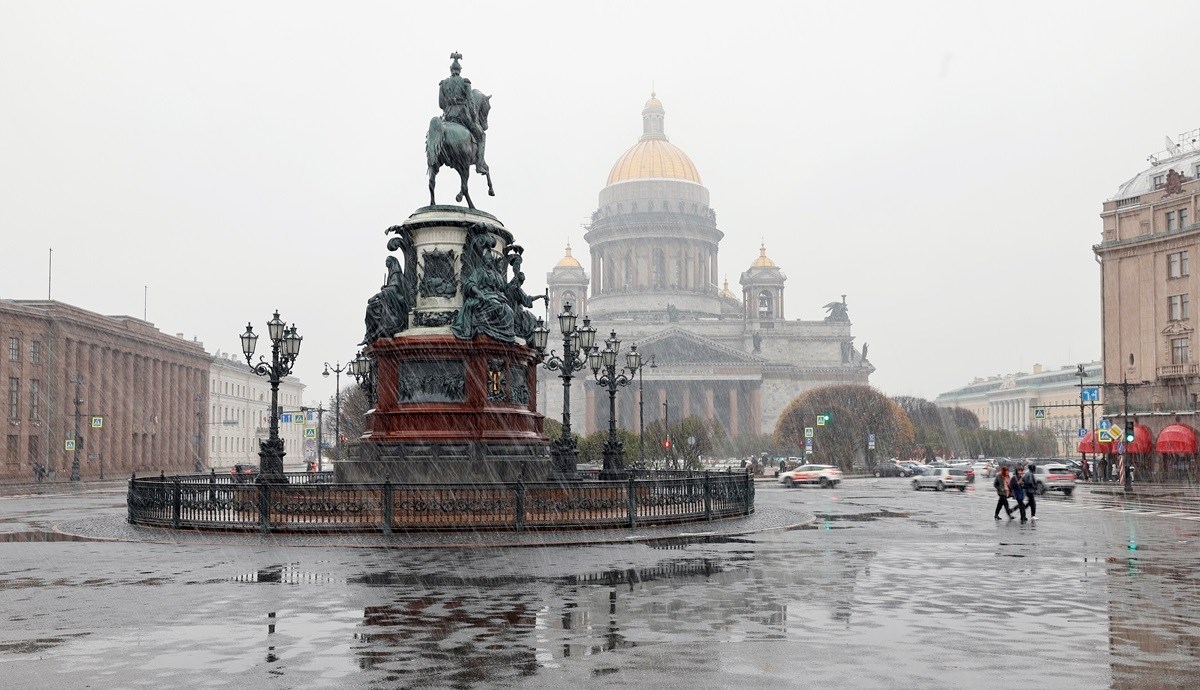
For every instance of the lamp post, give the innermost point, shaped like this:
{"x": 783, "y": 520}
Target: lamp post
{"x": 1081, "y": 372}
{"x": 642, "y": 413}
{"x": 78, "y": 439}
{"x": 199, "y": 464}
{"x": 338, "y": 368}
{"x": 285, "y": 346}
{"x": 577, "y": 341}
{"x": 362, "y": 367}
{"x": 606, "y": 361}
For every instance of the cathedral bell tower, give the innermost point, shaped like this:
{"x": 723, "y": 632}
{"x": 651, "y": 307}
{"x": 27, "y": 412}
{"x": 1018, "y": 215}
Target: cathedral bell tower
{"x": 568, "y": 282}
{"x": 762, "y": 292}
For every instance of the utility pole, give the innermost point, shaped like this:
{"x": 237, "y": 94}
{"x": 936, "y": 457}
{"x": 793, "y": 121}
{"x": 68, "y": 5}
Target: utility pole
{"x": 1125, "y": 459}
{"x": 1081, "y": 372}
{"x": 199, "y": 464}
{"x": 78, "y": 439}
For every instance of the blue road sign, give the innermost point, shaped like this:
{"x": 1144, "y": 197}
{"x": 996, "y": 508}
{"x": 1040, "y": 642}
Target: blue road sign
{"x": 1105, "y": 423}
{"x": 808, "y": 443}
{"x": 1082, "y": 432}
{"x": 1091, "y": 394}
{"x": 871, "y": 438}
{"x": 285, "y": 418}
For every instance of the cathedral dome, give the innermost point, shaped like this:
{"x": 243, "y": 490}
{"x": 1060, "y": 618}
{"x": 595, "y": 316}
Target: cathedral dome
{"x": 763, "y": 261}
{"x": 568, "y": 261}
{"x": 653, "y": 157}
{"x": 726, "y": 292}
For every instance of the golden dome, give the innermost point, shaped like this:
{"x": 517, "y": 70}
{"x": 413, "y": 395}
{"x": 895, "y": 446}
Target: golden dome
{"x": 568, "y": 261}
{"x": 726, "y": 292}
{"x": 653, "y": 157}
{"x": 763, "y": 261}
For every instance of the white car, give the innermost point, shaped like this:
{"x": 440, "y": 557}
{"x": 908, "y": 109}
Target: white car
{"x": 825, "y": 475}
{"x": 941, "y": 478}
{"x": 1054, "y": 477}
{"x": 982, "y": 469}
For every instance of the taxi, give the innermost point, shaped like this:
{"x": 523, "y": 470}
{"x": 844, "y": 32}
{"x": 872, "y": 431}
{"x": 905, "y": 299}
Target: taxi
{"x": 827, "y": 476}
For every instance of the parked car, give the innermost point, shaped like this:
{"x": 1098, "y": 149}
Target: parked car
{"x": 982, "y": 468}
{"x": 1055, "y": 477}
{"x": 940, "y": 479}
{"x": 891, "y": 469}
{"x": 244, "y": 473}
{"x": 825, "y": 475}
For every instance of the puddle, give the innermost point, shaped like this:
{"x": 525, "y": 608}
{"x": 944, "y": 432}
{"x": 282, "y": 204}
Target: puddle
{"x": 36, "y": 646}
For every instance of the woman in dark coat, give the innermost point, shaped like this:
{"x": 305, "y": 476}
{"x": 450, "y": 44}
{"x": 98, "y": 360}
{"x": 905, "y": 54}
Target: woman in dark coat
{"x": 1002, "y": 490}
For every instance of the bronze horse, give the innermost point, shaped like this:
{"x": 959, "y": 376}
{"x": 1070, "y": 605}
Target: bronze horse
{"x": 451, "y": 144}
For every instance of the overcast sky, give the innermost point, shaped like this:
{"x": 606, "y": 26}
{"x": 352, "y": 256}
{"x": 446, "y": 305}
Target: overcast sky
{"x": 942, "y": 164}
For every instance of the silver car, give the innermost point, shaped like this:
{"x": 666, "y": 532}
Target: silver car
{"x": 1054, "y": 477}
{"x": 940, "y": 479}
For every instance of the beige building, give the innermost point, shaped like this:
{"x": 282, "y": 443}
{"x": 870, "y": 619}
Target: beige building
{"x": 1150, "y": 235}
{"x": 239, "y": 413}
{"x": 1043, "y": 398}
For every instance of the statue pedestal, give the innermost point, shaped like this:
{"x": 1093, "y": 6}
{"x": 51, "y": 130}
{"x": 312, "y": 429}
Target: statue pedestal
{"x": 449, "y": 410}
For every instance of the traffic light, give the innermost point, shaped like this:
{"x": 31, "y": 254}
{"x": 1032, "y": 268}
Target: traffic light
{"x": 667, "y": 444}
{"x": 1128, "y": 432}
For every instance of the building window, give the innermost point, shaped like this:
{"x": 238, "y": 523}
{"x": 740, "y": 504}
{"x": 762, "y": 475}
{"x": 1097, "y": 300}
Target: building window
{"x": 1181, "y": 350}
{"x": 1183, "y": 216}
{"x": 14, "y": 349}
{"x": 1177, "y": 264}
{"x": 1171, "y": 221}
{"x": 14, "y": 444}
{"x": 1160, "y": 181}
{"x": 14, "y": 398}
{"x": 35, "y": 352}
{"x": 35, "y": 399}
{"x": 1177, "y": 307}
{"x": 34, "y": 454}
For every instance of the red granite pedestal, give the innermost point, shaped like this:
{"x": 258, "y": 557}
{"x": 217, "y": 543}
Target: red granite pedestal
{"x": 451, "y": 411}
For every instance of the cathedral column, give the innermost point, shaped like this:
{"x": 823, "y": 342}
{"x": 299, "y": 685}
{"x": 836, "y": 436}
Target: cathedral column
{"x": 756, "y": 409}
{"x": 687, "y": 400}
{"x": 589, "y": 411}
{"x": 712, "y": 258}
{"x": 709, "y": 408}
{"x": 733, "y": 411}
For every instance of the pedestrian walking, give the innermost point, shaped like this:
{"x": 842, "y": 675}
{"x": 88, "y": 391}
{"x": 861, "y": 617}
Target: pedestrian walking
{"x": 1030, "y": 486}
{"x": 1017, "y": 488}
{"x": 1001, "y": 485}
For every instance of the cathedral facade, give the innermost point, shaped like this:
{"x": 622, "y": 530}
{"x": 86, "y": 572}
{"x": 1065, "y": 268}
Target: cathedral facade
{"x": 653, "y": 278}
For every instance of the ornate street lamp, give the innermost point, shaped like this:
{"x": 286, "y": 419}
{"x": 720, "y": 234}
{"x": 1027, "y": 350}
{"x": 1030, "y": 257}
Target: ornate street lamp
{"x": 338, "y": 368}
{"x": 642, "y": 408}
{"x": 362, "y": 367}
{"x": 604, "y": 369}
{"x": 285, "y": 347}
{"x": 577, "y": 340}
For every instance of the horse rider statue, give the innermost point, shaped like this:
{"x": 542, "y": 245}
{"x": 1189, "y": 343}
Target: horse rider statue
{"x": 460, "y": 104}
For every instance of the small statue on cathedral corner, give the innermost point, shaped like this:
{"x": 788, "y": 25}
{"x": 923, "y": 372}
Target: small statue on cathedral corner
{"x": 756, "y": 337}
{"x": 672, "y": 313}
{"x": 838, "y": 311}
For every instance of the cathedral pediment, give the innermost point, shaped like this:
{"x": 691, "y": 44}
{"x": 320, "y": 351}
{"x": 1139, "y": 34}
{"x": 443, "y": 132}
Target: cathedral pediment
{"x": 676, "y": 346}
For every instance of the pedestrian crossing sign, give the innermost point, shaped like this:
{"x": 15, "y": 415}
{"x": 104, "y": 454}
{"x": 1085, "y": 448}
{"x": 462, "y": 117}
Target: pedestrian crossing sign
{"x": 310, "y": 433}
{"x": 69, "y": 445}
{"x": 808, "y": 432}
{"x": 1039, "y": 413}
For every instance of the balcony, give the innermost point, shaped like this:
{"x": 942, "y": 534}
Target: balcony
{"x": 1171, "y": 371}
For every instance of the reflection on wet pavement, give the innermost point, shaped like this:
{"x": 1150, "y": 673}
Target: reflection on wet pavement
{"x": 915, "y": 590}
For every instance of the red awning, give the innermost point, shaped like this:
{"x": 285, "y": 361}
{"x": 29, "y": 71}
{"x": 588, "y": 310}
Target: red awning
{"x": 1143, "y": 441}
{"x": 1087, "y": 444}
{"x": 1179, "y": 439}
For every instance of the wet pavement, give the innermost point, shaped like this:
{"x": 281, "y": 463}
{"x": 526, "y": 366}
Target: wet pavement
{"x": 888, "y": 588}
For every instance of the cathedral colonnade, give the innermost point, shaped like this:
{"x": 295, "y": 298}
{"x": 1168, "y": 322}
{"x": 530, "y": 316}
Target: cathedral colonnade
{"x": 734, "y": 405}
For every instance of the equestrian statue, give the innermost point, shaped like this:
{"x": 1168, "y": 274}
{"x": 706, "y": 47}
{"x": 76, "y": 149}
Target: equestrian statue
{"x": 457, "y": 139}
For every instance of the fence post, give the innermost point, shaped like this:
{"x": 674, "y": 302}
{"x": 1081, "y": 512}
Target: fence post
{"x": 264, "y": 507}
{"x": 519, "y": 505}
{"x": 388, "y": 506}
{"x": 748, "y": 495}
{"x": 176, "y": 499}
{"x": 212, "y": 483}
{"x": 707, "y": 496}
{"x": 631, "y": 500}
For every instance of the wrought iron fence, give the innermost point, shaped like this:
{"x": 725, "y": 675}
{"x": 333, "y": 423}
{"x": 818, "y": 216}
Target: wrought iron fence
{"x": 310, "y": 502}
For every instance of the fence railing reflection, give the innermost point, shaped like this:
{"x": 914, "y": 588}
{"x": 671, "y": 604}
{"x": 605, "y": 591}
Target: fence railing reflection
{"x": 310, "y": 502}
